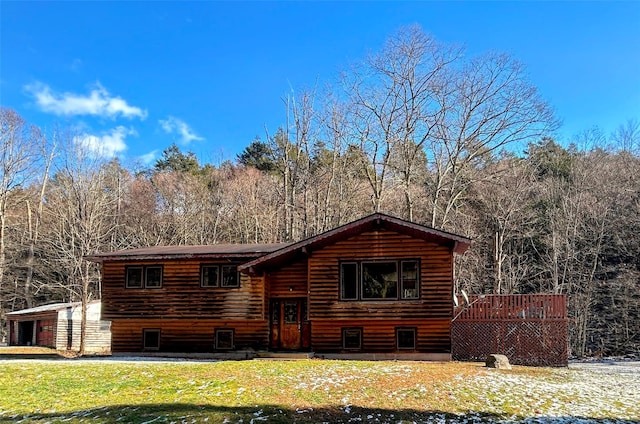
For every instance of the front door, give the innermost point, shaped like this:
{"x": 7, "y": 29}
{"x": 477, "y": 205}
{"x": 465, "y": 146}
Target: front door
{"x": 287, "y": 316}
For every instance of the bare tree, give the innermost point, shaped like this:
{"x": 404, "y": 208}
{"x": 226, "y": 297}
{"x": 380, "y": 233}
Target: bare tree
{"x": 489, "y": 105}
{"x": 18, "y": 154}
{"x": 80, "y": 214}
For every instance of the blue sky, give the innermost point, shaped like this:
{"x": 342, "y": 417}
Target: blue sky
{"x": 134, "y": 77}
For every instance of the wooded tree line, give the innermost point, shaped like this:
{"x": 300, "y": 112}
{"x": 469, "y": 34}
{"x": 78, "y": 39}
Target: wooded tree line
{"x": 417, "y": 130}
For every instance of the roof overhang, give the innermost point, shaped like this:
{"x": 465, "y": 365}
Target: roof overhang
{"x": 241, "y": 252}
{"x": 458, "y": 244}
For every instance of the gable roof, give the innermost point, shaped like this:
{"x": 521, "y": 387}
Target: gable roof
{"x": 457, "y": 243}
{"x": 214, "y": 251}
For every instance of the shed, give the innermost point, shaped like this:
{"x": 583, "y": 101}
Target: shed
{"x": 58, "y": 326}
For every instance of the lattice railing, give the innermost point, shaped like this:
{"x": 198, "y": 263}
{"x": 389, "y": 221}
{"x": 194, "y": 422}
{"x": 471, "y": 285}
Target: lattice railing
{"x": 528, "y": 329}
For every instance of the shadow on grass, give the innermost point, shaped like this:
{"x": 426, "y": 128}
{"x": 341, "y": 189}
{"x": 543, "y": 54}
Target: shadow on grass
{"x": 189, "y": 413}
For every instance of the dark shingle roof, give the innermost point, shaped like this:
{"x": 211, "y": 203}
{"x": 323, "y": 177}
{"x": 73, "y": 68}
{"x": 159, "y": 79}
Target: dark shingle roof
{"x": 178, "y": 252}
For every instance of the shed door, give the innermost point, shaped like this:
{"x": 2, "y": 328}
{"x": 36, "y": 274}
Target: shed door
{"x": 44, "y": 333}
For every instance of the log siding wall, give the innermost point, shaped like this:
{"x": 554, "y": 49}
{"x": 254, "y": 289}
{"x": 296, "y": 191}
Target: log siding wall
{"x": 180, "y": 296}
{"x": 188, "y": 314}
{"x": 430, "y": 314}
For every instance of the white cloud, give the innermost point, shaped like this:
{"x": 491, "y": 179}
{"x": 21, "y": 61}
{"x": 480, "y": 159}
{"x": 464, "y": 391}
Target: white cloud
{"x": 149, "y": 158}
{"x": 173, "y": 125}
{"x": 107, "y": 145}
{"x": 98, "y": 102}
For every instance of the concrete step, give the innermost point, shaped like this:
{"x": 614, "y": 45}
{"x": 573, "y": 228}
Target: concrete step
{"x": 283, "y": 355}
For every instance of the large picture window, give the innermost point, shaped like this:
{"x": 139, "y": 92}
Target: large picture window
{"x": 149, "y": 277}
{"x": 380, "y": 280}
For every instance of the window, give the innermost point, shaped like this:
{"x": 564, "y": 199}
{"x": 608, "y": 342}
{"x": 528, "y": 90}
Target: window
{"x": 224, "y": 338}
{"x": 230, "y": 276}
{"x": 151, "y": 339}
{"x": 134, "y": 277}
{"x": 380, "y": 280}
{"x": 209, "y": 276}
{"x": 406, "y": 338}
{"x": 410, "y": 280}
{"x": 219, "y": 276}
{"x": 352, "y": 338}
{"x": 349, "y": 280}
{"x": 153, "y": 277}
{"x": 149, "y": 277}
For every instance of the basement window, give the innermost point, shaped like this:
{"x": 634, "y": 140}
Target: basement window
{"x": 352, "y": 338}
{"x": 224, "y": 338}
{"x": 406, "y": 338}
{"x": 151, "y": 339}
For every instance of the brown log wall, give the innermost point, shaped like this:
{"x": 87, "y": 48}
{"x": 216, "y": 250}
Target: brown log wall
{"x": 187, "y": 335}
{"x": 432, "y": 336}
{"x": 188, "y": 314}
{"x": 180, "y": 296}
{"x": 431, "y": 314}
{"x": 289, "y": 281}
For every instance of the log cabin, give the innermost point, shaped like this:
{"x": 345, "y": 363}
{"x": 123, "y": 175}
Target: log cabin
{"x": 376, "y": 286}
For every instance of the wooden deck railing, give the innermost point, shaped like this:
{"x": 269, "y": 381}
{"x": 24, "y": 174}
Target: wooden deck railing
{"x": 527, "y": 307}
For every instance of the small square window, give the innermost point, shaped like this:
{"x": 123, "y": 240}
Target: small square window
{"x": 406, "y": 338}
{"x": 209, "y": 276}
{"x": 151, "y": 339}
{"x": 153, "y": 277}
{"x": 230, "y": 276}
{"x": 352, "y": 338}
{"x": 224, "y": 339}
{"x": 134, "y": 277}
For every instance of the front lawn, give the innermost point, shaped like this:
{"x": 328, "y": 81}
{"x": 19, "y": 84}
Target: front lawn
{"x": 109, "y": 391}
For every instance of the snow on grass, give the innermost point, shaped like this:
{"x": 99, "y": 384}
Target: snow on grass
{"x": 316, "y": 391}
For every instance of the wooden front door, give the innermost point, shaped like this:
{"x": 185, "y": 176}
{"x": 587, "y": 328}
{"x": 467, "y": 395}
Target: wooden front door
{"x": 287, "y": 316}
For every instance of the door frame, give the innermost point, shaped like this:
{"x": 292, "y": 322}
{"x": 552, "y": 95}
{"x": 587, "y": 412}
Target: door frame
{"x": 276, "y": 321}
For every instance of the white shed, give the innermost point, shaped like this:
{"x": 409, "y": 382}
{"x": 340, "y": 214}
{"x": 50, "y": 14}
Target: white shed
{"x": 58, "y": 326}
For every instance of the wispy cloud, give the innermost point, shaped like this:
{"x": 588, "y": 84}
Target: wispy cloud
{"x": 98, "y": 102}
{"x": 148, "y": 158}
{"x": 173, "y": 125}
{"x": 76, "y": 65}
{"x": 107, "y": 145}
